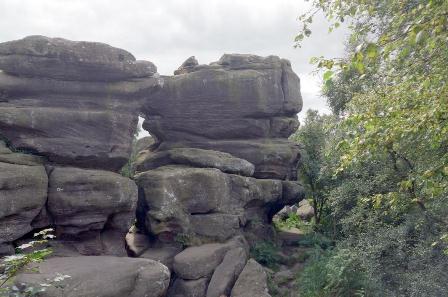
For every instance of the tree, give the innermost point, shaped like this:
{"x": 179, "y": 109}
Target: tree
{"x": 389, "y": 194}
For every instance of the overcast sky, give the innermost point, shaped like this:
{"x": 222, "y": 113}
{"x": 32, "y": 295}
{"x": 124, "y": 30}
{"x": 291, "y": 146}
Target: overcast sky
{"x": 167, "y": 32}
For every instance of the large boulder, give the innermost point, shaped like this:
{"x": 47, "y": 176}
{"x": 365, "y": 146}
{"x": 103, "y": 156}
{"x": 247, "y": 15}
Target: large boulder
{"x": 251, "y": 282}
{"x": 81, "y": 137}
{"x": 100, "y": 276}
{"x": 238, "y": 97}
{"x": 86, "y": 203}
{"x": 76, "y": 103}
{"x": 200, "y": 201}
{"x": 23, "y": 193}
{"x": 70, "y": 60}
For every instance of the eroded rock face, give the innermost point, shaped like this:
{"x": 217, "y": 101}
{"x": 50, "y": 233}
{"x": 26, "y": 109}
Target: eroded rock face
{"x": 75, "y": 103}
{"x": 202, "y": 202}
{"x": 217, "y": 168}
{"x": 237, "y": 97}
{"x": 195, "y": 158}
{"x": 23, "y": 193}
{"x": 70, "y": 60}
{"x": 100, "y": 276}
{"x": 84, "y": 203}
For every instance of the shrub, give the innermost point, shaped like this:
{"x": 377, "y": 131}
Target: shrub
{"x": 266, "y": 253}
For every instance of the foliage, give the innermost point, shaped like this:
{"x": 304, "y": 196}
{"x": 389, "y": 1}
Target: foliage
{"x": 128, "y": 169}
{"x": 333, "y": 273}
{"x": 312, "y": 168}
{"x": 383, "y": 170}
{"x": 12, "y": 265}
{"x": 266, "y": 253}
{"x": 293, "y": 221}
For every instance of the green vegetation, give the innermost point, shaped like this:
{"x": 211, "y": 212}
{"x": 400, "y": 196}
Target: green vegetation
{"x": 377, "y": 169}
{"x": 266, "y": 253}
{"x": 31, "y": 252}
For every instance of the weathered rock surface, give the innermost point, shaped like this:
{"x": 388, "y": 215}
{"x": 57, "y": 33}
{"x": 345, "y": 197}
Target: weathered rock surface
{"x": 70, "y": 60}
{"x": 237, "y": 97}
{"x": 23, "y": 193}
{"x": 202, "y": 201}
{"x": 84, "y": 203}
{"x": 100, "y": 276}
{"x": 195, "y": 158}
{"x": 251, "y": 282}
{"x": 227, "y": 272}
{"x": 273, "y": 158}
{"x": 81, "y": 137}
{"x": 218, "y": 166}
{"x": 70, "y": 101}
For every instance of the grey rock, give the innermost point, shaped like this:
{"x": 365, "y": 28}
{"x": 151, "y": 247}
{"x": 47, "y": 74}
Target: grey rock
{"x": 6, "y": 249}
{"x": 226, "y": 274}
{"x": 273, "y": 158}
{"x": 23, "y": 193}
{"x": 217, "y": 226}
{"x": 251, "y": 282}
{"x": 200, "y": 261}
{"x": 305, "y": 211}
{"x": 70, "y": 60}
{"x": 85, "y": 138}
{"x": 188, "y": 288}
{"x": 164, "y": 254}
{"x": 231, "y": 99}
{"x": 203, "y": 201}
{"x": 196, "y": 158}
{"x": 187, "y": 66}
{"x": 8, "y": 156}
{"x": 84, "y": 203}
{"x": 100, "y": 276}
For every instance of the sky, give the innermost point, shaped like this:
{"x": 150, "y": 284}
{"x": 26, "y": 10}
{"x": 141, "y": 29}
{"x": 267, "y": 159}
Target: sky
{"x": 167, "y": 32}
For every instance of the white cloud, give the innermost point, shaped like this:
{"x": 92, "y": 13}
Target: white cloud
{"x": 169, "y": 31}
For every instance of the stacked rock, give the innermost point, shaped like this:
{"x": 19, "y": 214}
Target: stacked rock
{"x": 68, "y": 114}
{"x": 218, "y": 167}
{"x": 222, "y": 162}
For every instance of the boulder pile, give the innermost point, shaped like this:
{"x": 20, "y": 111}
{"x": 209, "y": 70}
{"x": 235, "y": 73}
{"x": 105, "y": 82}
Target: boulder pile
{"x": 207, "y": 184}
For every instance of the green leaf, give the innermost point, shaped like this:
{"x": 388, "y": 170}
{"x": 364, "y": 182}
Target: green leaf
{"x": 328, "y": 75}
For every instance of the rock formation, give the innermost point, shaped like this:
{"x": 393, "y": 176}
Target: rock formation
{"x": 207, "y": 184}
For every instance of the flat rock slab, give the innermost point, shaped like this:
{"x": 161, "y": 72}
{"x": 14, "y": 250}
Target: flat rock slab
{"x": 100, "y": 277}
{"x": 70, "y": 60}
{"x": 272, "y": 158}
{"x": 196, "y": 158}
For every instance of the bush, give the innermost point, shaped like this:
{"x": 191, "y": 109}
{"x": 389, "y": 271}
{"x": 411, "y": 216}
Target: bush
{"x": 266, "y": 253}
